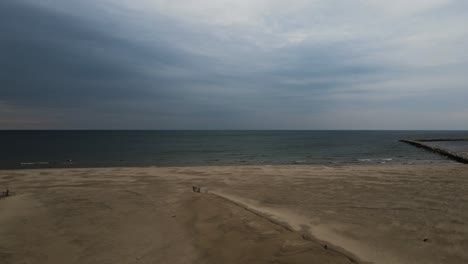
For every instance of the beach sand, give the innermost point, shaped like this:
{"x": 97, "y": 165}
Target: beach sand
{"x": 249, "y": 214}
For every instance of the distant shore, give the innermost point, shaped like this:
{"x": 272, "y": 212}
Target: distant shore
{"x": 295, "y": 214}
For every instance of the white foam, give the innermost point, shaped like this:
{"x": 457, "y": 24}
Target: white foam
{"x": 34, "y": 163}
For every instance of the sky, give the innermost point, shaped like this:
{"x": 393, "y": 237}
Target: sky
{"x": 233, "y": 64}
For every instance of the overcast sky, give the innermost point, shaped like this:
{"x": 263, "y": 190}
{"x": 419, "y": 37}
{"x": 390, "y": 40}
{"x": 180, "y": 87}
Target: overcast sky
{"x": 240, "y": 64}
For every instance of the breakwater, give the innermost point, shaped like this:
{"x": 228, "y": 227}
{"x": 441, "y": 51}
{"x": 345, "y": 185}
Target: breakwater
{"x": 442, "y": 151}
{"x": 441, "y": 139}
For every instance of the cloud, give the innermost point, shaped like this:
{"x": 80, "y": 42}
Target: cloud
{"x": 405, "y": 8}
{"x": 231, "y": 64}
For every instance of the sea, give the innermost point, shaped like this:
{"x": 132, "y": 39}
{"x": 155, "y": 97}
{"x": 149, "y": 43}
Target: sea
{"x": 109, "y": 148}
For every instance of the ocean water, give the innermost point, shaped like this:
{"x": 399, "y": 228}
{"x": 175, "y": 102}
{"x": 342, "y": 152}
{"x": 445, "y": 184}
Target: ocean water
{"x": 32, "y": 149}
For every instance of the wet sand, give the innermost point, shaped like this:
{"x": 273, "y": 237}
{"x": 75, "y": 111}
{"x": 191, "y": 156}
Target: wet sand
{"x": 250, "y": 214}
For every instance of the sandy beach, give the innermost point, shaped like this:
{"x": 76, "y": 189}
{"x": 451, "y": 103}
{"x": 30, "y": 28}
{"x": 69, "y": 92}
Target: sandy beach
{"x": 244, "y": 214}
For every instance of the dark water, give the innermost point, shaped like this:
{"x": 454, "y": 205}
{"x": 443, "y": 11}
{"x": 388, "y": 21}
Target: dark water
{"x": 30, "y": 149}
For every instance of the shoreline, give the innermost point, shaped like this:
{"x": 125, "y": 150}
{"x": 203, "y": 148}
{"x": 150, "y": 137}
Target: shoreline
{"x": 379, "y": 213}
{"x": 448, "y": 162}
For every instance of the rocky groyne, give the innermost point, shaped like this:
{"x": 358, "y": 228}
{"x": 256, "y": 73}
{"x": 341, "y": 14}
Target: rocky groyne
{"x": 460, "y": 157}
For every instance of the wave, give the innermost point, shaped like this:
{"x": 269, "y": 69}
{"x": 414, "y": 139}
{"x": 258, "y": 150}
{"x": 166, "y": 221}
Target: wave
{"x": 34, "y": 163}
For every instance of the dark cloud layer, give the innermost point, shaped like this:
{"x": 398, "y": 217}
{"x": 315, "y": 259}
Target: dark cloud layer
{"x": 53, "y": 59}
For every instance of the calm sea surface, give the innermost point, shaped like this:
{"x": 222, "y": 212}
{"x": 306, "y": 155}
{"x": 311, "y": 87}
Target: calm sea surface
{"x": 32, "y": 149}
